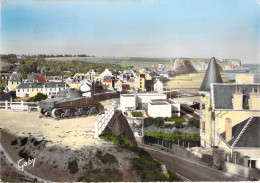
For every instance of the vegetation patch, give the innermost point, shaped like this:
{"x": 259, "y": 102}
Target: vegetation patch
{"x": 98, "y": 175}
{"x": 194, "y": 122}
{"x": 25, "y": 155}
{"x": 38, "y": 97}
{"x": 36, "y": 142}
{"x": 24, "y": 141}
{"x": 107, "y": 158}
{"x": 153, "y": 137}
{"x": 137, "y": 114}
{"x": 159, "y": 122}
{"x": 178, "y": 124}
{"x": 175, "y": 118}
{"x": 146, "y": 167}
{"x": 73, "y": 166}
{"x": 14, "y": 142}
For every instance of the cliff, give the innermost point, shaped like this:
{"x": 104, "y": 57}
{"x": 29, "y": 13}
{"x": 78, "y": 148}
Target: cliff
{"x": 201, "y": 64}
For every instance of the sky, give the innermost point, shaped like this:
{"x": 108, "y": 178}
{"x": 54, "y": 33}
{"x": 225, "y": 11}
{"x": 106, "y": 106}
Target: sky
{"x": 133, "y": 28}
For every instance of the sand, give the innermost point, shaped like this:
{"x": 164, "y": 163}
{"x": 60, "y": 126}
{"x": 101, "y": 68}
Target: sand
{"x": 74, "y": 133}
{"x": 189, "y": 82}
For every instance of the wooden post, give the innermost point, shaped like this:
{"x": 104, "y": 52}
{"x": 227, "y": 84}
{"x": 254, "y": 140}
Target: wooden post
{"x": 6, "y": 105}
{"x": 178, "y": 142}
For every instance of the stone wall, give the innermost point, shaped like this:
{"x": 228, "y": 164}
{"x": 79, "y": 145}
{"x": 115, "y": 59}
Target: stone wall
{"x": 242, "y": 171}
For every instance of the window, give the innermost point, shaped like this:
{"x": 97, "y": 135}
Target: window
{"x": 27, "y": 90}
{"x": 203, "y": 126}
{"x": 18, "y": 90}
{"x": 251, "y": 163}
{"x": 203, "y": 106}
{"x": 50, "y": 89}
{"x": 12, "y": 82}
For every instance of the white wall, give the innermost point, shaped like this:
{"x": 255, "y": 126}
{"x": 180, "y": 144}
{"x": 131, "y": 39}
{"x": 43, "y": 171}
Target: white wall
{"x": 127, "y": 101}
{"x": 145, "y": 98}
{"x": 159, "y": 110}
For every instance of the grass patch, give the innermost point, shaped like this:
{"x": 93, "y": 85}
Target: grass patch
{"x": 175, "y": 118}
{"x": 159, "y": 122}
{"x": 98, "y": 175}
{"x": 107, "y": 158}
{"x": 137, "y": 114}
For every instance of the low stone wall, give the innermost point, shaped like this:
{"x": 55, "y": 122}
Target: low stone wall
{"x": 242, "y": 171}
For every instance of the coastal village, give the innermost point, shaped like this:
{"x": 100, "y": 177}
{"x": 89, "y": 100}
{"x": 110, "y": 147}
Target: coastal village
{"x": 213, "y": 121}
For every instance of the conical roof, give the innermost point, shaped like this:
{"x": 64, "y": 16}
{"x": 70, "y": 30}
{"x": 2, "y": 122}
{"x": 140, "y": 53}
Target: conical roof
{"x": 212, "y": 76}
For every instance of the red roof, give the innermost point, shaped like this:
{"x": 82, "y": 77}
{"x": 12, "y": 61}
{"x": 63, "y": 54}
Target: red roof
{"x": 142, "y": 75}
{"x": 41, "y": 79}
{"x": 110, "y": 69}
{"x": 95, "y": 70}
{"x": 107, "y": 80}
{"x": 125, "y": 87}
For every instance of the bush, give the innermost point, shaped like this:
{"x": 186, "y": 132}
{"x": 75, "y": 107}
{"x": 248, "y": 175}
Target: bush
{"x": 176, "y": 119}
{"x": 24, "y": 155}
{"x": 173, "y": 177}
{"x": 154, "y": 121}
{"x": 24, "y": 141}
{"x": 14, "y": 142}
{"x": 137, "y": 114}
{"x": 187, "y": 137}
{"x": 38, "y": 97}
{"x": 194, "y": 122}
{"x": 107, "y": 158}
{"x": 203, "y": 95}
{"x": 73, "y": 167}
{"x": 178, "y": 124}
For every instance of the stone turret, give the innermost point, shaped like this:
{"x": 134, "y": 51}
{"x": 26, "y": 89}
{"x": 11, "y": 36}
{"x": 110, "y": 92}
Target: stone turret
{"x": 212, "y": 76}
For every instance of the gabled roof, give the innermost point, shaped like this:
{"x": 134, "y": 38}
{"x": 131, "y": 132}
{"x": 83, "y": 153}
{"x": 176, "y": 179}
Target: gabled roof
{"x": 249, "y": 137}
{"x": 15, "y": 77}
{"x": 212, "y": 76}
{"x": 41, "y": 79}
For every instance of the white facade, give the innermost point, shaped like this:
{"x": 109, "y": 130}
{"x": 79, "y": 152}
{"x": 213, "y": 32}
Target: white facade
{"x": 159, "y": 110}
{"x": 85, "y": 86}
{"x": 106, "y": 72}
{"x": 138, "y": 100}
{"x": 158, "y": 86}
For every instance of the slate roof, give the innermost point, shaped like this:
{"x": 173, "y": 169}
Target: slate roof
{"x": 212, "y": 76}
{"x": 249, "y": 138}
{"x": 223, "y": 94}
{"x": 15, "y": 78}
{"x": 40, "y": 85}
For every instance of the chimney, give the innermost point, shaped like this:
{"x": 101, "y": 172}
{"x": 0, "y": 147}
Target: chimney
{"x": 228, "y": 129}
{"x": 237, "y": 99}
{"x": 254, "y": 99}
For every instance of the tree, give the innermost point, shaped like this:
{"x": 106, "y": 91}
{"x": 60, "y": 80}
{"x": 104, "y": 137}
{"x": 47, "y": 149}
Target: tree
{"x": 24, "y": 75}
{"x": 194, "y": 122}
{"x": 38, "y": 97}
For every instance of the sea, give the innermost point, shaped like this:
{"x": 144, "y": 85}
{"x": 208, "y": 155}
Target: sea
{"x": 253, "y": 69}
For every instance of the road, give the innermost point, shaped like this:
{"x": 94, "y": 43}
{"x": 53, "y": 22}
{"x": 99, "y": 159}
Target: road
{"x": 192, "y": 171}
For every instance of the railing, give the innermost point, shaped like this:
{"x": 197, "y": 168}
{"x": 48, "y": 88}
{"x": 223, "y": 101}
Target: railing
{"x": 104, "y": 120}
{"x": 21, "y": 106}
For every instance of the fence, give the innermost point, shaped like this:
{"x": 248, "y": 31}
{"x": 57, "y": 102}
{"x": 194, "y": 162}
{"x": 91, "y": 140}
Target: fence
{"x": 21, "y": 106}
{"x": 104, "y": 120}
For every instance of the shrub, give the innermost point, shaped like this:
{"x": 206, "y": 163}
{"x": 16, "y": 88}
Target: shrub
{"x": 107, "y": 158}
{"x": 176, "y": 119}
{"x": 24, "y": 155}
{"x": 38, "y": 97}
{"x": 178, "y": 124}
{"x": 137, "y": 114}
{"x": 14, "y": 142}
{"x": 24, "y": 141}
{"x": 173, "y": 177}
{"x": 194, "y": 122}
{"x": 213, "y": 115}
{"x": 203, "y": 95}
{"x": 73, "y": 167}
{"x": 154, "y": 121}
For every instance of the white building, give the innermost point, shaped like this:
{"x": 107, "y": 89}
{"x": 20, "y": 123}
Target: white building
{"x": 31, "y": 89}
{"x": 86, "y": 88}
{"x": 107, "y": 72}
{"x": 156, "y": 104}
{"x": 158, "y": 86}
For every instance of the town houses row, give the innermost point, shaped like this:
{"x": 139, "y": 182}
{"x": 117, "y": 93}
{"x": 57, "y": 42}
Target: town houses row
{"x": 129, "y": 80}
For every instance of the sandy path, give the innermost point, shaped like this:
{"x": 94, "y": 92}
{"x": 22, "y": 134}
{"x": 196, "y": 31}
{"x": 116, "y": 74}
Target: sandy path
{"x": 74, "y": 133}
